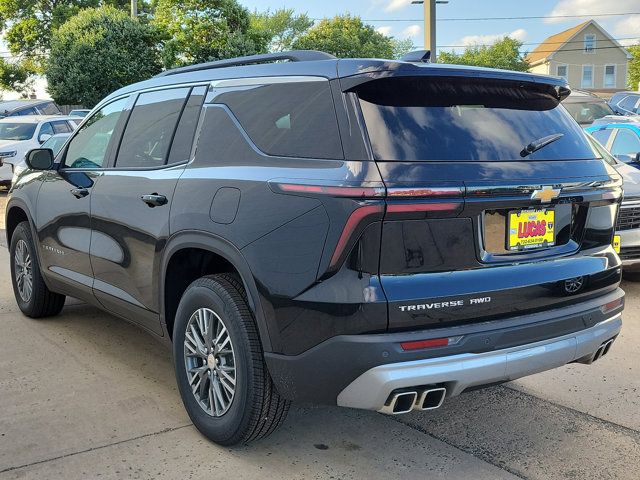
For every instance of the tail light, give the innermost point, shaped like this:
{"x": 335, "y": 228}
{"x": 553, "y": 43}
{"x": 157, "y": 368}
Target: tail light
{"x": 375, "y": 200}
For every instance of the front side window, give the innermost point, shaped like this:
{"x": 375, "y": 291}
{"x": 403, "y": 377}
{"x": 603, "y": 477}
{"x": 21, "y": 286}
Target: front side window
{"x": 88, "y": 148}
{"x": 590, "y": 43}
{"x": 466, "y": 119}
{"x": 294, "y": 119}
{"x": 61, "y": 127}
{"x": 629, "y": 104}
{"x": 562, "y": 71}
{"x": 609, "y": 76}
{"x": 147, "y": 137}
{"x": 626, "y": 143}
{"x": 587, "y": 76}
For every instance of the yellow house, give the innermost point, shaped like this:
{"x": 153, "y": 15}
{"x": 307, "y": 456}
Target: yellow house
{"x": 586, "y": 55}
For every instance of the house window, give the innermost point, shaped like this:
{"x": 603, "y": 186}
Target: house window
{"x": 587, "y": 76}
{"x": 590, "y": 43}
{"x": 609, "y": 76}
{"x": 561, "y": 71}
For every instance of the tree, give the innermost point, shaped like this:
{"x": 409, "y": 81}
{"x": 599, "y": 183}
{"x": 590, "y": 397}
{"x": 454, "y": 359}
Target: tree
{"x": 504, "y": 53}
{"x": 203, "y": 30}
{"x": 16, "y": 76}
{"x": 634, "y": 67}
{"x": 282, "y": 28}
{"x": 31, "y": 23}
{"x": 346, "y": 36}
{"x": 98, "y": 51}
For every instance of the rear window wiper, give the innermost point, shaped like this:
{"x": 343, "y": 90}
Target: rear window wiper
{"x": 540, "y": 143}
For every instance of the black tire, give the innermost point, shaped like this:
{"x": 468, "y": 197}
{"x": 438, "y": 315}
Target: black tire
{"x": 42, "y": 302}
{"x": 256, "y": 409}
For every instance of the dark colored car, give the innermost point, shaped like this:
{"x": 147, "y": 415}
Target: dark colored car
{"x": 11, "y": 108}
{"x": 586, "y": 107}
{"x": 625, "y": 103}
{"x": 364, "y": 233}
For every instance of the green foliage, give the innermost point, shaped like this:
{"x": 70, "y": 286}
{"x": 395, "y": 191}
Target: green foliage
{"x": 402, "y": 47}
{"x": 282, "y": 27}
{"x": 346, "y": 36}
{"x": 31, "y": 23}
{"x": 634, "y": 67}
{"x": 16, "y": 76}
{"x": 203, "y": 30}
{"x": 98, "y": 51}
{"x": 504, "y": 53}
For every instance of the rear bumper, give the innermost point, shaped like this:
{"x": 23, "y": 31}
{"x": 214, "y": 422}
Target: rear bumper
{"x": 458, "y": 373}
{"x": 376, "y": 363}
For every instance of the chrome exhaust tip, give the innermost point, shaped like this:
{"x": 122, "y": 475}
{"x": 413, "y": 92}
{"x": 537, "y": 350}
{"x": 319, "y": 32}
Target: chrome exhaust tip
{"x": 399, "y": 403}
{"x": 431, "y": 399}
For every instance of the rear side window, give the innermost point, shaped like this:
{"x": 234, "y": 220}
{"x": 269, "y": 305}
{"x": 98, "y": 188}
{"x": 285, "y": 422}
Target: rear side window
{"x": 467, "y": 119}
{"x": 602, "y": 136}
{"x": 183, "y": 139}
{"x": 295, "y": 119}
{"x": 149, "y": 131}
{"x": 626, "y": 143}
{"x": 49, "y": 108}
{"x": 26, "y": 111}
{"x": 629, "y": 103}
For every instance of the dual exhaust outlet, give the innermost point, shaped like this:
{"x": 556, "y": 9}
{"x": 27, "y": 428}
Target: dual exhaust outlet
{"x": 406, "y": 400}
{"x": 602, "y": 350}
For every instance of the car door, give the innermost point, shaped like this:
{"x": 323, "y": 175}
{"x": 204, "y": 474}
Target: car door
{"x": 131, "y": 201}
{"x": 63, "y": 210}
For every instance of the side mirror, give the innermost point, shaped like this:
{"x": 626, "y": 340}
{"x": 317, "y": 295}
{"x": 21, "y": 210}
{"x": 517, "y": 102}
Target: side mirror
{"x": 44, "y": 137}
{"x": 40, "y": 159}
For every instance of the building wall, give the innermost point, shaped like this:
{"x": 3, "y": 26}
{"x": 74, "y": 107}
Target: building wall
{"x": 542, "y": 68}
{"x": 574, "y": 56}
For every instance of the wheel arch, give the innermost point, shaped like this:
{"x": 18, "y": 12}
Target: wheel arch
{"x": 226, "y": 251}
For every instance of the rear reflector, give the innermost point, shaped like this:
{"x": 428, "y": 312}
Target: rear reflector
{"x": 608, "y": 307}
{"x": 422, "y": 207}
{"x": 431, "y": 343}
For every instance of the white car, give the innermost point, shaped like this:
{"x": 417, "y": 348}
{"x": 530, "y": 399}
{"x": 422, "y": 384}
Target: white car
{"x": 20, "y": 134}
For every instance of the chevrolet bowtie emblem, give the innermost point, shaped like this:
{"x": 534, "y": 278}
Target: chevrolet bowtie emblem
{"x": 546, "y": 194}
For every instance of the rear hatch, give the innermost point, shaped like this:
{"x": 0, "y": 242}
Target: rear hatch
{"x": 496, "y": 202}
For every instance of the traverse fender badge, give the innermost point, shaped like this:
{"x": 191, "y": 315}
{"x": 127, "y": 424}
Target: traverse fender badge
{"x": 546, "y": 194}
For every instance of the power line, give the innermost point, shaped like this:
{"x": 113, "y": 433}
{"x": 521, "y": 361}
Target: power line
{"x": 483, "y": 19}
{"x": 532, "y": 43}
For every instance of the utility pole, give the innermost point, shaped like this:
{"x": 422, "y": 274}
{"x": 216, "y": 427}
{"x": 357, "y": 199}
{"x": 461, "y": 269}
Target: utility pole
{"x": 430, "y": 24}
{"x": 134, "y": 8}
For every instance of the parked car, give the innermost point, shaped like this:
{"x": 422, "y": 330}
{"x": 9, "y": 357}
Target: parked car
{"x": 79, "y": 112}
{"x": 621, "y": 139}
{"x": 20, "y": 134}
{"x": 625, "y": 103}
{"x": 372, "y": 234}
{"x": 12, "y": 108}
{"x": 628, "y": 223}
{"x": 586, "y": 107}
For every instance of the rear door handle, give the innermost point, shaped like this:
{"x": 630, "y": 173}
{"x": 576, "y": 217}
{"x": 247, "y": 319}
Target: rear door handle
{"x": 80, "y": 192}
{"x": 154, "y": 200}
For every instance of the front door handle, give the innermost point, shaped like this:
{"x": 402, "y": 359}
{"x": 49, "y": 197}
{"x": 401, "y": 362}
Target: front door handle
{"x": 79, "y": 192}
{"x": 154, "y": 200}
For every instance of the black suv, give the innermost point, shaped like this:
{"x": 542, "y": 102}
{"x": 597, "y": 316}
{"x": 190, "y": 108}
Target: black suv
{"x": 367, "y": 233}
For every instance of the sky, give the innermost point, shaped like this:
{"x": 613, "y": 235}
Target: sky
{"x": 389, "y": 16}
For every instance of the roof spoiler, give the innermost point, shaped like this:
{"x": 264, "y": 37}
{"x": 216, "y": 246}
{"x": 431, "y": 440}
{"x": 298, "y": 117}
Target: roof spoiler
{"x": 418, "y": 56}
{"x": 292, "y": 56}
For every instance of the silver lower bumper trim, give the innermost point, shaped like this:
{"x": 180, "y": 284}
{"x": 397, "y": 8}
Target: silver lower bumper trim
{"x": 371, "y": 389}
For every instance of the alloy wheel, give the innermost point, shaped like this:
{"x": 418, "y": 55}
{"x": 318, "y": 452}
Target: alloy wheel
{"x": 23, "y": 270}
{"x": 210, "y": 362}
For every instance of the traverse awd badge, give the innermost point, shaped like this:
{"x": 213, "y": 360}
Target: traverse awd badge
{"x": 546, "y": 194}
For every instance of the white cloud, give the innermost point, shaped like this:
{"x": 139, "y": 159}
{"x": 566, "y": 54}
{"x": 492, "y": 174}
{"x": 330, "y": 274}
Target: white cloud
{"x": 590, "y": 7}
{"x": 411, "y": 31}
{"x": 395, "y": 5}
{"x": 628, "y": 30}
{"x": 384, "y": 30}
{"x": 519, "y": 34}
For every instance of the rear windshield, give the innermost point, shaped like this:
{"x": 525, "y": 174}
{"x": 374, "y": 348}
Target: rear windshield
{"x": 467, "y": 119}
{"x": 588, "y": 112}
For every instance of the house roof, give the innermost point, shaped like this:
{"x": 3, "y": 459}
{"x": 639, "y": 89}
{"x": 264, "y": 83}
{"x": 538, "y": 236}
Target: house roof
{"x": 555, "y": 42}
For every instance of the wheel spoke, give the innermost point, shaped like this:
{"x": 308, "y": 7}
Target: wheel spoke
{"x": 218, "y": 393}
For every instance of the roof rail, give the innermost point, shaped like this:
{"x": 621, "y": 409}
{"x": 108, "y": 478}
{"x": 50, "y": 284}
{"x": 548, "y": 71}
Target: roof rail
{"x": 419, "y": 56}
{"x": 292, "y": 56}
